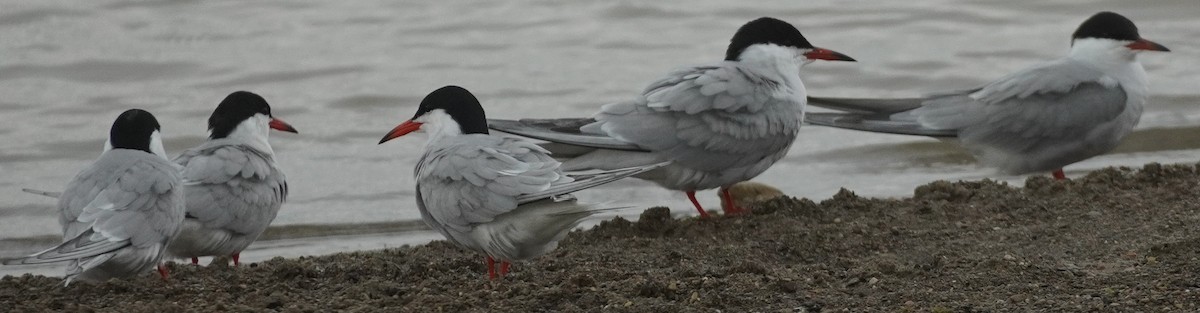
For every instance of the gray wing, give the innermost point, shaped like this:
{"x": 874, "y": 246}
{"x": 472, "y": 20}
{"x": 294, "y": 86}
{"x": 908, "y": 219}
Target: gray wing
{"x": 708, "y": 118}
{"x": 1058, "y": 100}
{"x": 44, "y": 193}
{"x": 232, "y": 187}
{"x": 584, "y": 181}
{"x": 470, "y": 179}
{"x": 564, "y": 130}
{"x": 125, "y": 198}
{"x": 866, "y": 105}
{"x": 879, "y": 123}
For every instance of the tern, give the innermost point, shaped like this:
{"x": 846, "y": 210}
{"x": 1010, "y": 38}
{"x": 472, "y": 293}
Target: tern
{"x": 503, "y": 196}
{"x": 1036, "y": 120}
{"x": 232, "y": 184}
{"x": 718, "y": 124}
{"x": 119, "y": 213}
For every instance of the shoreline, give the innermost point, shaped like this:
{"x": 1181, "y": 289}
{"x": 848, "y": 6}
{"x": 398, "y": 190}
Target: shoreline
{"x": 1117, "y": 239}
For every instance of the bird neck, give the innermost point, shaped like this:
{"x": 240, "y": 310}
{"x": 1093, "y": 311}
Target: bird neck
{"x": 439, "y": 125}
{"x": 1114, "y": 59}
{"x": 253, "y": 132}
{"x": 773, "y": 61}
{"x": 1102, "y": 53}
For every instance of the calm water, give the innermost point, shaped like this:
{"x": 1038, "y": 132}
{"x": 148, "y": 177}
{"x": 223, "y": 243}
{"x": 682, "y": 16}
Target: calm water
{"x": 345, "y": 72}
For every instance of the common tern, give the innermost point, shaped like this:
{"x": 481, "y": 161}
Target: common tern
{"x": 1038, "y": 119}
{"x": 232, "y": 184}
{"x": 119, "y": 213}
{"x": 501, "y": 196}
{"x": 719, "y": 124}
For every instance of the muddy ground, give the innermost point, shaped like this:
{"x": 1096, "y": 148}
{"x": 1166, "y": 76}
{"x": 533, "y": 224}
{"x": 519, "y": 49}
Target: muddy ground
{"x": 1117, "y": 240}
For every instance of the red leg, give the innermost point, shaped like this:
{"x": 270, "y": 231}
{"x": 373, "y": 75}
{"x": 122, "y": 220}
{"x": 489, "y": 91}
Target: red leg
{"x": 504, "y": 268}
{"x": 162, "y": 272}
{"x": 692, "y": 196}
{"x": 236, "y": 257}
{"x": 1058, "y": 174}
{"x": 491, "y": 263}
{"x": 195, "y": 261}
{"x": 730, "y": 204}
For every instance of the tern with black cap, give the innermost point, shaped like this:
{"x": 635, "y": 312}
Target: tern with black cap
{"x": 502, "y": 196}
{"x": 119, "y": 213}
{"x": 718, "y": 124}
{"x": 1036, "y": 120}
{"x": 233, "y": 185}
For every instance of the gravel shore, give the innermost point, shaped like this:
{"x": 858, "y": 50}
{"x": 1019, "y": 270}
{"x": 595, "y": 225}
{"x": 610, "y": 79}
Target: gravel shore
{"x": 1116, "y": 240}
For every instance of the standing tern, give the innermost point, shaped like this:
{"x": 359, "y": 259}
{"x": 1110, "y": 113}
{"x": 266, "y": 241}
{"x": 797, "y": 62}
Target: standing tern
{"x": 719, "y": 124}
{"x": 119, "y": 213}
{"x": 1038, "y": 119}
{"x": 504, "y": 197}
{"x": 232, "y": 185}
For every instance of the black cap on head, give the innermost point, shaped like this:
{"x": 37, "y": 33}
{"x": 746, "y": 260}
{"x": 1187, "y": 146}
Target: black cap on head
{"x": 236, "y": 107}
{"x": 132, "y": 130}
{"x": 765, "y": 30}
{"x": 1107, "y": 25}
{"x": 460, "y": 104}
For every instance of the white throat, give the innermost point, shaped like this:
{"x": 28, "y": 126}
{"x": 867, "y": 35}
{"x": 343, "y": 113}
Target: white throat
{"x": 253, "y": 132}
{"x": 1104, "y": 53}
{"x": 438, "y": 124}
{"x": 774, "y": 61}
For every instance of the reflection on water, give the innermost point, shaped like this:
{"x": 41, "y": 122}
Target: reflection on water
{"x": 346, "y": 72}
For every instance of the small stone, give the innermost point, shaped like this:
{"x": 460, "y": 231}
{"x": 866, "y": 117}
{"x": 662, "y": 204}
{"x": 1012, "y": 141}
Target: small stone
{"x": 872, "y": 281}
{"x": 1009, "y": 257}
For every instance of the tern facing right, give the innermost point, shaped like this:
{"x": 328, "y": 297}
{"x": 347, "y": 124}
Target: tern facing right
{"x": 1039, "y": 119}
{"x": 233, "y": 186}
{"x": 719, "y": 124}
{"x": 505, "y": 197}
{"x": 119, "y": 213}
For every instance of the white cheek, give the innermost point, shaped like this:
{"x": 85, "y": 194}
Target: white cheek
{"x": 156, "y": 145}
{"x": 424, "y": 119}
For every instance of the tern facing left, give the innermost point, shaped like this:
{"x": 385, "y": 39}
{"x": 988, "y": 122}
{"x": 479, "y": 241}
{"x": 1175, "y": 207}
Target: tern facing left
{"x": 1038, "y": 119}
{"x": 119, "y": 213}
{"x": 233, "y": 187}
{"x": 504, "y": 197}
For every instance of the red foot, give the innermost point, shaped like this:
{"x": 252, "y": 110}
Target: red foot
{"x": 195, "y": 261}
{"x": 491, "y": 263}
{"x": 692, "y": 196}
{"x": 731, "y": 207}
{"x": 162, "y": 272}
{"x": 235, "y": 257}
{"x": 1058, "y": 174}
{"x": 504, "y": 268}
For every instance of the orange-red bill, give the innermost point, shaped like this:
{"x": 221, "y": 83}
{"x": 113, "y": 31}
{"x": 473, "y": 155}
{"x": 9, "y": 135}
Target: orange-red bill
{"x": 401, "y": 130}
{"x": 826, "y": 54}
{"x": 1143, "y": 44}
{"x": 280, "y": 125}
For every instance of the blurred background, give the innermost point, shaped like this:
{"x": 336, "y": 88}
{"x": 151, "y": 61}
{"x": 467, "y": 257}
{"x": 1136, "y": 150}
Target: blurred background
{"x": 346, "y": 72}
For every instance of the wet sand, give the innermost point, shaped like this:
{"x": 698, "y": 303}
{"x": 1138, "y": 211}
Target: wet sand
{"x": 1116, "y": 240}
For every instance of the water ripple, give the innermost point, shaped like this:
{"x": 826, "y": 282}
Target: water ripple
{"x": 97, "y": 71}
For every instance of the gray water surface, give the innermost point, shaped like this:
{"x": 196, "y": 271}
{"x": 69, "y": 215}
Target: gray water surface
{"x": 346, "y": 72}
